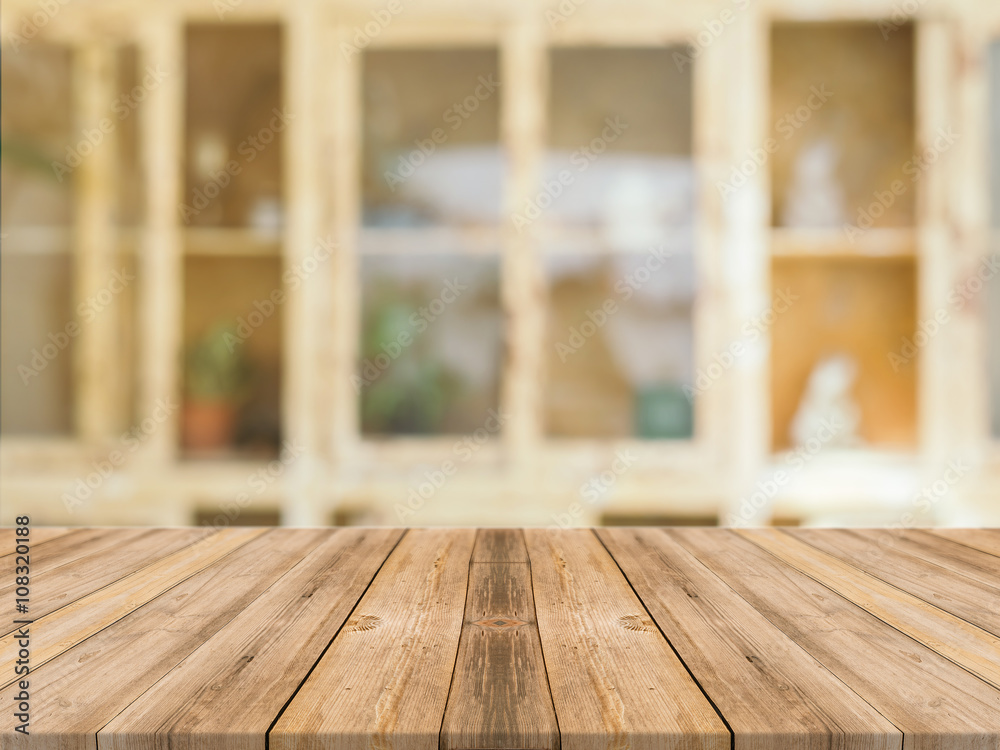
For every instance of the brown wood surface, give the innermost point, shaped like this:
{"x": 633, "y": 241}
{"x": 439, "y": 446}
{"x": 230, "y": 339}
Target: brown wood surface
{"x": 615, "y": 681}
{"x": 39, "y": 535}
{"x": 499, "y": 693}
{"x": 974, "y": 601}
{"x": 78, "y": 692}
{"x": 65, "y": 550}
{"x": 265, "y": 652}
{"x": 59, "y": 586}
{"x": 985, "y": 540}
{"x": 74, "y": 623}
{"x": 768, "y": 688}
{"x": 968, "y": 645}
{"x": 509, "y": 639}
{"x": 384, "y": 682}
{"x": 968, "y": 561}
{"x": 930, "y": 699}
{"x": 500, "y": 546}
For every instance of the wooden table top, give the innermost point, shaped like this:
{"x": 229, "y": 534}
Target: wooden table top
{"x": 392, "y": 639}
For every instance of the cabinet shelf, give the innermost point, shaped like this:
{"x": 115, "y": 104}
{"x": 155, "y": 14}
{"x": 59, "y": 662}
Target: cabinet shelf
{"x": 232, "y": 242}
{"x": 430, "y": 240}
{"x": 834, "y": 243}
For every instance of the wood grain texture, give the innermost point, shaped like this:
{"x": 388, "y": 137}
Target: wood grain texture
{"x": 130, "y": 550}
{"x": 932, "y": 700}
{"x": 500, "y": 546}
{"x": 971, "y": 600}
{"x": 384, "y": 681}
{"x": 65, "y": 550}
{"x": 266, "y": 652}
{"x": 39, "y": 536}
{"x": 510, "y": 639}
{"x": 967, "y": 561}
{"x": 42, "y": 534}
{"x": 74, "y": 623}
{"x": 499, "y": 694}
{"x": 985, "y": 540}
{"x": 81, "y": 690}
{"x": 766, "y": 686}
{"x": 615, "y": 681}
{"x": 964, "y": 643}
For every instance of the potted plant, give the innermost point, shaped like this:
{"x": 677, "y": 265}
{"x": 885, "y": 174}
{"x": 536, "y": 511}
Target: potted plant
{"x": 216, "y": 379}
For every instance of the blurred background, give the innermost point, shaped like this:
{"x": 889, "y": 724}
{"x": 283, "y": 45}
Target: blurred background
{"x": 565, "y": 263}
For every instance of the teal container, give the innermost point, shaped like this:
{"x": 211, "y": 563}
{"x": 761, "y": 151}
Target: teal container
{"x": 663, "y": 412}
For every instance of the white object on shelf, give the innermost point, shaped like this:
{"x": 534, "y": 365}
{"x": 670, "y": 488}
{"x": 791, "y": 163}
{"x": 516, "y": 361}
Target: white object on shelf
{"x": 815, "y": 198}
{"x": 827, "y": 406}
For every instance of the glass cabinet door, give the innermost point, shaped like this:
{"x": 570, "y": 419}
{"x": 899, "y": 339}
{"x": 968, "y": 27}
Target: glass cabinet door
{"x": 617, "y": 211}
{"x": 431, "y": 339}
{"x": 39, "y": 324}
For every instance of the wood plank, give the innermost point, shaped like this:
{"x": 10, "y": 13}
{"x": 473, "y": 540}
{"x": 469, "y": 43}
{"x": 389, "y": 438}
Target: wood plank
{"x": 72, "y": 624}
{"x": 985, "y": 540}
{"x": 136, "y": 549}
{"x": 265, "y": 652}
{"x": 42, "y": 534}
{"x": 384, "y": 681}
{"x": 499, "y": 693}
{"x": 615, "y": 681}
{"x": 946, "y": 589}
{"x": 81, "y": 690}
{"x": 500, "y": 546}
{"x": 766, "y": 686}
{"x": 947, "y": 553}
{"x": 65, "y": 549}
{"x": 52, "y": 551}
{"x": 933, "y": 701}
{"x": 952, "y": 637}
{"x": 39, "y": 536}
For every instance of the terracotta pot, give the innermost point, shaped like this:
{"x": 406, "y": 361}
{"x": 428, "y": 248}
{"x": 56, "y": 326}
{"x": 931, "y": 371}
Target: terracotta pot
{"x": 208, "y": 425}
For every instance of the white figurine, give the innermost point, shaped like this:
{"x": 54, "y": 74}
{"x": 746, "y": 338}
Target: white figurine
{"x": 827, "y": 399}
{"x": 815, "y": 197}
